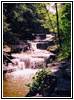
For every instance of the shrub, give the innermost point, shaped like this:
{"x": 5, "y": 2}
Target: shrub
{"x": 43, "y": 83}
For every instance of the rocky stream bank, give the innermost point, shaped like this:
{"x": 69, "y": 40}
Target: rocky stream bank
{"x": 19, "y": 64}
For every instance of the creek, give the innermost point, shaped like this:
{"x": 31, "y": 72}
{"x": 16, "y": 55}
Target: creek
{"x": 26, "y": 64}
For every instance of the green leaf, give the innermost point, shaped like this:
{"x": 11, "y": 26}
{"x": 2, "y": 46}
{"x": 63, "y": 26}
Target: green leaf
{"x": 28, "y": 85}
{"x": 49, "y": 73}
{"x": 33, "y": 78}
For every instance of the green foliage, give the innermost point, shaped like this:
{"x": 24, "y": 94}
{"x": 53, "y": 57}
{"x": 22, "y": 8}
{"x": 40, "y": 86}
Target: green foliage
{"x": 52, "y": 48}
{"x": 62, "y": 55}
{"x": 64, "y": 17}
{"x": 28, "y": 85}
{"x": 49, "y": 73}
{"x": 65, "y": 28}
{"x": 21, "y": 20}
{"x": 43, "y": 82}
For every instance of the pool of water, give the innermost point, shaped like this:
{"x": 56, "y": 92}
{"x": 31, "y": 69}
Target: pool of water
{"x": 14, "y": 83}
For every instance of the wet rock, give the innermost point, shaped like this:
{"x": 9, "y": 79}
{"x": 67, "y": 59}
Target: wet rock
{"x": 52, "y": 57}
{"x": 55, "y": 51}
{"x": 53, "y": 64}
{"x": 19, "y": 48}
{"x": 44, "y": 45}
{"x": 10, "y": 69}
{"x": 4, "y": 71}
{"x": 41, "y": 36}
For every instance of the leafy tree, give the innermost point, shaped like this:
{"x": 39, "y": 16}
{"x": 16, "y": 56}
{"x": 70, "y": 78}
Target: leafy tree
{"x": 21, "y": 20}
{"x": 57, "y": 24}
{"x": 65, "y": 28}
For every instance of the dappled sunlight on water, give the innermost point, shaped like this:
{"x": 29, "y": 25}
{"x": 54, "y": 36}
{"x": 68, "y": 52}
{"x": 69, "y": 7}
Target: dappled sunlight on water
{"x": 14, "y": 83}
{"x": 26, "y": 64}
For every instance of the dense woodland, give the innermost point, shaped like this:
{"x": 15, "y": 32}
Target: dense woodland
{"x": 23, "y": 21}
{"x": 20, "y": 21}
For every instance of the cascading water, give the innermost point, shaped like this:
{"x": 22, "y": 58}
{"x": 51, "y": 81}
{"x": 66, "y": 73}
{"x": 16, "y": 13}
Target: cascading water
{"x": 26, "y": 64}
{"x": 33, "y": 46}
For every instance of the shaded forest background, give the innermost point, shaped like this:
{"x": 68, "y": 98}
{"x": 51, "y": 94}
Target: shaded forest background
{"x": 22, "y": 21}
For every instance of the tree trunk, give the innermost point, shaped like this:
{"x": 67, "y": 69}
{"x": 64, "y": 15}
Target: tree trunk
{"x": 49, "y": 19}
{"x": 51, "y": 23}
{"x": 58, "y": 24}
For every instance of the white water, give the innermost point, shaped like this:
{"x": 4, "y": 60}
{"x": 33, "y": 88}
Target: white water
{"x": 34, "y": 57}
{"x": 26, "y": 64}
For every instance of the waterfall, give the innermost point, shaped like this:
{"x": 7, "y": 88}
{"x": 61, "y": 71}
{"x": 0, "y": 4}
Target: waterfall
{"x": 21, "y": 65}
{"x": 33, "y": 58}
{"x": 33, "y": 46}
{"x": 24, "y": 67}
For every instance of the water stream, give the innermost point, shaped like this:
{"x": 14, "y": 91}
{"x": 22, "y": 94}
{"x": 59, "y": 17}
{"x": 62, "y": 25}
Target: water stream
{"x": 26, "y": 65}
